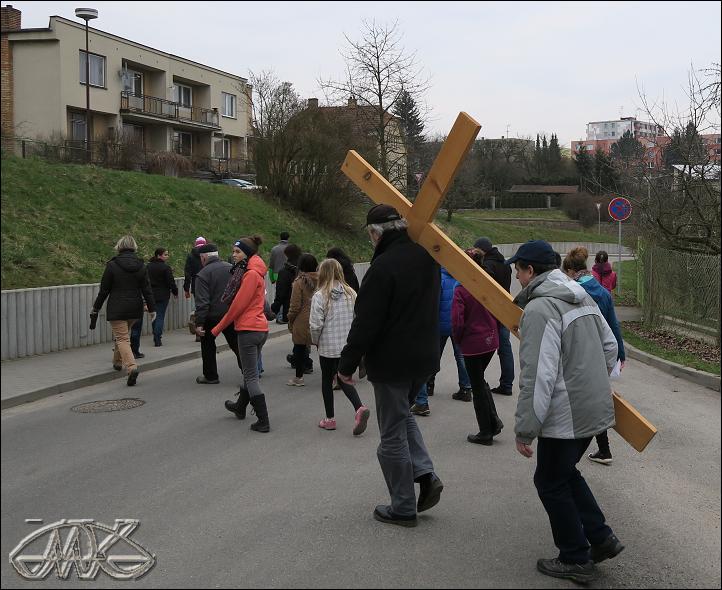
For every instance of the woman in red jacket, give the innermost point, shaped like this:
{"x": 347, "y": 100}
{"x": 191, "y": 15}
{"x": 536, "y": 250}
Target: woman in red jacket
{"x": 251, "y": 325}
{"x": 476, "y": 333}
{"x": 602, "y": 271}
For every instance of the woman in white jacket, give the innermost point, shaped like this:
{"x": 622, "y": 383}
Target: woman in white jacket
{"x": 331, "y": 317}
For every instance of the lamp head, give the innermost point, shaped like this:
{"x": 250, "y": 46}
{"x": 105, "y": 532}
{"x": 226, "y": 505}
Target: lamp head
{"x": 86, "y": 13}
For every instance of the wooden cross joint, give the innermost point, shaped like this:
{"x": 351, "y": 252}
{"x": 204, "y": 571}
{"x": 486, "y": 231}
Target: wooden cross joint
{"x": 420, "y": 216}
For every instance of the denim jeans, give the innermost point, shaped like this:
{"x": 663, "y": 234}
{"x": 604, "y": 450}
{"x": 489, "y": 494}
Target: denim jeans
{"x": 506, "y": 358}
{"x": 464, "y": 381}
{"x": 160, "y": 309}
{"x": 574, "y": 515}
{"x": 422, "y": 397}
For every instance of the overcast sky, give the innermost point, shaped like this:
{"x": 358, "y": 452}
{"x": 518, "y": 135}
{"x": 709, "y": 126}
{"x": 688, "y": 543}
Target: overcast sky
{"x": 534, "y": 66}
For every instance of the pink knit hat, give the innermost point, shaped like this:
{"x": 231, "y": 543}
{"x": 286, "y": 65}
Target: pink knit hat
{"x": 200, "y": 241}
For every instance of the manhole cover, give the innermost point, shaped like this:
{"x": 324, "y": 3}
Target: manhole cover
{"x": 110, "y": 405}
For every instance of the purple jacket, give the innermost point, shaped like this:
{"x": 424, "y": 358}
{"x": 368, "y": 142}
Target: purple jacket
{"x": 474, "y": 329}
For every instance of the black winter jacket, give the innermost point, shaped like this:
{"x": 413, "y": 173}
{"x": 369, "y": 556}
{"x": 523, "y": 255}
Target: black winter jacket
{"x": 396, "y": 323}
{"x": 284, "y": 287}
{"x": 494, "y": 265}
{"x": 125, "y": 284}
{"x": 192, "y": 268}
{"x": 210, "y": 284}
{"x": 161, "y": 280}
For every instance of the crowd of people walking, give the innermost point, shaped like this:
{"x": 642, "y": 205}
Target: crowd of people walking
{"x": 393, "y": 327}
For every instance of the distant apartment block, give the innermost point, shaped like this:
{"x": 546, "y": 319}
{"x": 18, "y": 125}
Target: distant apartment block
{"x": 160, "y": 101}
{"x": 601, "y": 135}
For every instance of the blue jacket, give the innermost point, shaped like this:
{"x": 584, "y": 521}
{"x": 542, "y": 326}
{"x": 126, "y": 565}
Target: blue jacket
{"x": 603, "y": 299}
{"x": 446, "y": 298}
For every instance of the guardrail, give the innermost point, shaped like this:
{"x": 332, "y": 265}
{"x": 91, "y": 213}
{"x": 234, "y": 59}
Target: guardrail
{"x": 49, "y": 319}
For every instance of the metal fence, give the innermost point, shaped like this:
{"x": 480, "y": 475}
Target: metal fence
{"x": 49, "y": 319}
{"x": 679, "y": 291}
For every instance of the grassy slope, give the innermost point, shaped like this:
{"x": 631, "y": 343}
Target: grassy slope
{"x": 61, "y": 221}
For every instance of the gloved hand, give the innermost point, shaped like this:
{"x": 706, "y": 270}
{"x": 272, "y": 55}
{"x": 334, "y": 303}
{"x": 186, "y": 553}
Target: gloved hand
{"x": 152, "y": 315}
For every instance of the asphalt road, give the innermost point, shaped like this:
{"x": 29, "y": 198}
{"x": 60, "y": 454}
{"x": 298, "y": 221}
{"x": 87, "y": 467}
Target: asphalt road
{"x": 221, "y": 506}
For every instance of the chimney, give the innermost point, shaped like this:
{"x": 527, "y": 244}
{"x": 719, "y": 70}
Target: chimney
{"x": 312, "y": 103}
{"x": 352, "y": 102}
{"x": 10, "y": 18}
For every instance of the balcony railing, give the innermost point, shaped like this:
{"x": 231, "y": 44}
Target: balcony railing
{"x": 167, "y": 109}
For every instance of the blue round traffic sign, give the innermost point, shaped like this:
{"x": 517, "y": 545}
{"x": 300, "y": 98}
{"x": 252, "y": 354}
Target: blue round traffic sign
{"x": 620, "y": 208}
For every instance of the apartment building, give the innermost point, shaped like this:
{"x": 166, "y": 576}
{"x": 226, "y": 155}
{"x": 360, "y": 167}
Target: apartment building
{"x": 160, "y": 101}
{"x": 601, "y": 135}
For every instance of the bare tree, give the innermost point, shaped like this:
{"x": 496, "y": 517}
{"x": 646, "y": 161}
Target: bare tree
{"x": 681, "y": 205}
{"x": 378, "y": 72}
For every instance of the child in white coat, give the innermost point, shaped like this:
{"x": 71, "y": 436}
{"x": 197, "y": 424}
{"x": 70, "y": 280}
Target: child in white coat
{"x": 330, "y": 321}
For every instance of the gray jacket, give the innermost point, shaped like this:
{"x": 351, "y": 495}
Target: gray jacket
{"x": 566, "y": 353}
{"x": 211, "y": 281}
{"x": 278, "y": 257}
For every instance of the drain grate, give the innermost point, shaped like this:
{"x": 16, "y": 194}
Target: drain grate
{"x": 110, "y": 405}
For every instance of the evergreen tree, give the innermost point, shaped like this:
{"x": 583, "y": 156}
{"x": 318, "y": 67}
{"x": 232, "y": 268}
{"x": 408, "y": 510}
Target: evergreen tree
{"x": 585, "y": 167}
{"x": 686, "y": 147}
{"x": 555, "y": 156}
{"x": 407, "y": 110}
{"x": 627, "y": 152}
{"x": 604, "y": 173}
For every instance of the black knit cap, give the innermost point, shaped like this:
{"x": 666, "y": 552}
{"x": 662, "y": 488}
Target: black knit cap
{"x": 206, "y": 248}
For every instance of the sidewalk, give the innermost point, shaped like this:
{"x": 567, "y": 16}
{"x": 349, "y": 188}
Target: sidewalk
{"x": 32, "y": 378}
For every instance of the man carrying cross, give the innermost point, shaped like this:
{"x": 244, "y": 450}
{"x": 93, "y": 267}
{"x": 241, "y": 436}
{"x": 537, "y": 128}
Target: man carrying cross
{"x": 396, "y": 329}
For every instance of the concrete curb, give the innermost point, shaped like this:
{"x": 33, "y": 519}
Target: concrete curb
{"x": 698, "y": 377}
{"x": 104, "y": 376}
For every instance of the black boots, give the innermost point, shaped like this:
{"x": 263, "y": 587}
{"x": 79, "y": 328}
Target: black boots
{"x": 239, "y": 407}
{"x": 259, "y": 405}
{"x": 486, "y": 417}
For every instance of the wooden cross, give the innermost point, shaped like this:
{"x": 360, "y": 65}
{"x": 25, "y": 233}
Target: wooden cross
{"x": 420, "y": 215}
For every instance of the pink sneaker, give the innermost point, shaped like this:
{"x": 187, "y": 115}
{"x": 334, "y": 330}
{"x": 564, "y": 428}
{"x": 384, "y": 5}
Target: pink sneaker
{"x": 362, "y": 417}
{"x": 327, "y": 424}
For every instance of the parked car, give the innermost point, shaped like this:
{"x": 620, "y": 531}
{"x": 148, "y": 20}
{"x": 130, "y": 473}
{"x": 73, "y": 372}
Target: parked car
{"x": 239, "y": 183}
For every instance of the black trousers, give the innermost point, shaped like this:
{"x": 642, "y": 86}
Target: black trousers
{"x": 208, "y": 347}
{"x": 574, "y": 515}
{"x": 329, "y": 368}
{"x": 484, "y": 406}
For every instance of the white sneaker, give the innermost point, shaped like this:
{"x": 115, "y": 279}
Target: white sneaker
{"x": 296, "y": 382}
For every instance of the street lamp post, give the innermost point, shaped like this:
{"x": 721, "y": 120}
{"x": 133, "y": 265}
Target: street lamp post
{"x": 599, "y": 218}
{"x": 87, "y": 14}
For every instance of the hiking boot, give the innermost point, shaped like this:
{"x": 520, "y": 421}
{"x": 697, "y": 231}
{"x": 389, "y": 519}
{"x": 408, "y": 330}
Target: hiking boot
{"x": 430, "y": 492}
{"x": 502, "y": 391}
{"x": 204, "y": 380}
{"x": 603, "y": 457}
{"x": 611, "y": 547}
{"x": 138, "y": 355}
{"x": 420, "y": 410}
{"x": 259, "y": 406}
{"x": 360, "y": 420}
{"x": 480, "y": 439}
{"x": 133, "y": 377}
{"x": 499, "y": 426}
{"x": 583, "y": 573}
{"x": 384, "y": 514}
{"x": 430, "y": 388}
{"x": 117, "y": 367}
{"x": 327, "y": 424}
{"x": 239, "y": 407}
{"x": 463, "y": 395}
{"x": 281, "y": 321}
{"x": 308, "y": 370}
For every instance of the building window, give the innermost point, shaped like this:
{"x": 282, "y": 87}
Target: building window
{"x": 229, "y": 105}
{"x": 182, "y": 143}
{"x": 97, "y": 69}
{"x": 133, "y": 135}
{"x": 183, "y": 95}
{"x": 77, "y": 126}
{"x": 222, "y": 148}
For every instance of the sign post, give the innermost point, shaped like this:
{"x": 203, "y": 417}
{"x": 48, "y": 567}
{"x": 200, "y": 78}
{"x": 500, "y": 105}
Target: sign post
{"x": 620, "y": 209}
